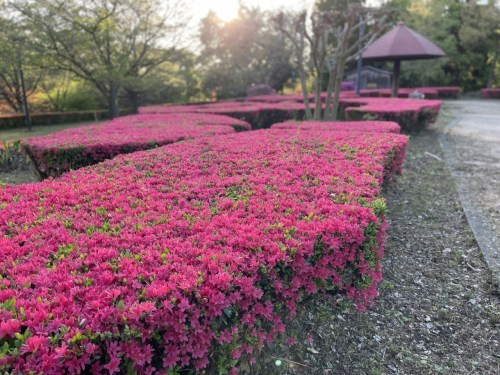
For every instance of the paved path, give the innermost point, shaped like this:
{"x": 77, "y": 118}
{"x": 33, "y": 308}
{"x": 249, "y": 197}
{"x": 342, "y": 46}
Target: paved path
{"x": 471, "y": 143}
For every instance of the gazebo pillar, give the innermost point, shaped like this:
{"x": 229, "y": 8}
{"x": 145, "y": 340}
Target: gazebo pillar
{"x": 395, "y": 78}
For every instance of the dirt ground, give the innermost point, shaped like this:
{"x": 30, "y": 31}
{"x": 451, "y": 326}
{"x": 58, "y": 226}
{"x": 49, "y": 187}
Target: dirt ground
{"x": 437, "y": 313}
{"x": 16, "y": 170}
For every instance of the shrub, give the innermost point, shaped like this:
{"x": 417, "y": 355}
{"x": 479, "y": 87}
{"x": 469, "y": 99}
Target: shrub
{"x": 260, "y": 89}
{"x": 490, "y": 93}
{"x": 74, "y": 148}
{"x": 357, "y": 126}
{"x": 435, "y": 92}
{"x": 411, "y": 114}
{"x": 348, "y": 86}
{"x": 189, "y": 254}
{"x": 51, "y": 118}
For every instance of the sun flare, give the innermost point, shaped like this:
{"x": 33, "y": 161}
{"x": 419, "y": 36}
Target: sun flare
{"x": 226, "y": 10}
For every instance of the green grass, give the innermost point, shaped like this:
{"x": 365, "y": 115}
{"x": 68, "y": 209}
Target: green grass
{"x": 12, "y": 135}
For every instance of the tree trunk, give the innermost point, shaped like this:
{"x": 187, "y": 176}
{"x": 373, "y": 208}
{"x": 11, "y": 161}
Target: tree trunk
{"x": 113, "y": 107}
{"x": 338, "y": 83}
{"x": 329, "y": 91}
{"x": 303, "y": 84}
{"x": 317, "y": 97}
{"x": 134, "y": 100}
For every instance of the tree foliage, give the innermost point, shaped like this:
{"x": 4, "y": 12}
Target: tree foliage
{"x": 242, "y": 52}
{"x": 113, "y": 44}
{"x": 330, "y": 39}
{"x": 14, "y": 57}
{"x": 469, "y": 34}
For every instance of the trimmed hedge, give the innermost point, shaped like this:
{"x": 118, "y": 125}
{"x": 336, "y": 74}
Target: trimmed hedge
{"x": 356, "y": 126}
{"x": 189, "y": 255}
{"x": 434, "y": 92}
{"x": 411, "y": 114}
{"x": 260, "y": 115}
{"x": 59, "y": 152}
{"x": 490, "y": 93}
{"x": 52, "y": 118}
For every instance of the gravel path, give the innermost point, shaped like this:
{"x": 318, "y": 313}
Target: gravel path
{"x": 472, "y": 148}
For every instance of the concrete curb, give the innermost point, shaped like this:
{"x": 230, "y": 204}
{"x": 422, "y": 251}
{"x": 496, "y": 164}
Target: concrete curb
{"x": 486, "y": 238}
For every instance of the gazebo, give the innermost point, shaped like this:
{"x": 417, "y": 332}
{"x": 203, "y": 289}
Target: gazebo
{"x": 401, "y": 43}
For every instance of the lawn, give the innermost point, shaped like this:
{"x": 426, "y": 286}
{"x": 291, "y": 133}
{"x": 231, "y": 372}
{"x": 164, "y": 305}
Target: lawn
{"x": 12, "y": 135}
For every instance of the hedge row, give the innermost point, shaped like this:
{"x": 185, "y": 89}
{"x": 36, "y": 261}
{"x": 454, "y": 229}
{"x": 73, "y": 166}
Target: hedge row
{"x": 74, "y": 148}
{"x": 295, "y": 98}
{"x": 188, "y": 255}
{"x": 490, "y": 93}
{"x": 52, "y": 118}
{"x": 260, "y": 115}
{"x": 356, "y": 126}
{"x": 444, "y": 92}
{"x": 411, "y": 114}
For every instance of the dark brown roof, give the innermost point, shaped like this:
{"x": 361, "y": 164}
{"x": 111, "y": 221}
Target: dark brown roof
{"x": 402, "y": 43}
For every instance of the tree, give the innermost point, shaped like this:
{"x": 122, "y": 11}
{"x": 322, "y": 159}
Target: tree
{"x": 16, "y": 60}
{"x": 480, "y": 34}
{"x": 466, "y": 31}
{"x": 172, "y": 81}
{"x": 330, "y": 43}
{"x": 112, "y": 44}
{"x": 242, "y": 52}
{"x": 62, "y": 91}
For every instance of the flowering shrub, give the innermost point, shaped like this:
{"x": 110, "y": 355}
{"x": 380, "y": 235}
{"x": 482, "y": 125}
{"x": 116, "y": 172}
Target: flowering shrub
{"x": 437, "y": 92}
{"x": 189, "y": 254}
{"x": 348, "y": 86}
{"x": 260, "y": 115}
{"x": 490, "y": 93}
{"x": 411, "y": 114}
{"x": 446, "y": 92}
{"x": 296, "y": 97}
{"x": 59, "y": 152}
{"x": 357, "y": 126}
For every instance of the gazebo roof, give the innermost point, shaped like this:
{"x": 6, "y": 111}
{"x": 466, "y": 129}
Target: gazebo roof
{"x": 402, "y": 43}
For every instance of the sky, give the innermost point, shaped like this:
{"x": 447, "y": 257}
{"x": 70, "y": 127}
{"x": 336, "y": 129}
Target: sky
{"x": 227, "y": 9}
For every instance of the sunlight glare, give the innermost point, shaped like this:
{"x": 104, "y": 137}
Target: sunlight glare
{"x": 226, "y": 10}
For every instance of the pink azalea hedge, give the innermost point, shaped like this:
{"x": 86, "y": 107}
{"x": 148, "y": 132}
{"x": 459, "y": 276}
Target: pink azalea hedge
{"x": 59, "y": 152}
{"x": 357, "y": 126}
{"x": 191, "y": 254}
{"x": 295, "y": 97}
{"x": 434, "y": 92}
{"x": 490, "y": 93}
{"x": 411, "y": 114}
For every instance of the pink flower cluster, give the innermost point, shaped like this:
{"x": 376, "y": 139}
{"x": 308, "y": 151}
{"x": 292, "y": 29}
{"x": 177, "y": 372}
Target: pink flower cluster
{"x": 74, "y": 148}
{"x": 156, "y": 259}
{"x": 356, "y": 126}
